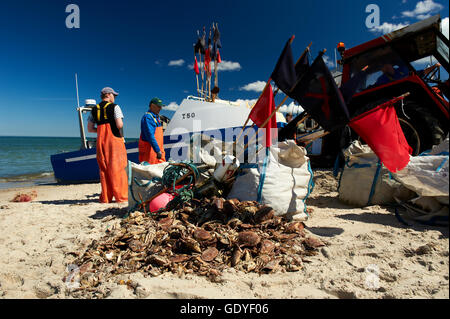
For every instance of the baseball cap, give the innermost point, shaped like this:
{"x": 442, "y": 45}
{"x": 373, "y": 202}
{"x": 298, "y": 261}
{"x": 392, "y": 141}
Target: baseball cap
{"x": 107, "y": 90}
{"x": 157, "y": 101}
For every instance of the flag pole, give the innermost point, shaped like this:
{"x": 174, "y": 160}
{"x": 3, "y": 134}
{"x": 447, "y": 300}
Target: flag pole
{"x": 198, "y": 89}
{"x": 216, "y": 71}
{"x": 200, "y": 54}
{"x": 317, "y": 137}
{"x": 216, "y": 78}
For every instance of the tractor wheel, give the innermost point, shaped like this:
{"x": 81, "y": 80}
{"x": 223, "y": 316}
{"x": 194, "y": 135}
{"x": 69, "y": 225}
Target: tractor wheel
{"x": 411, "y": 135}
{"x": 421, "y": 128}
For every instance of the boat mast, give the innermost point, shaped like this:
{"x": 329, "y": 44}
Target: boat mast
{"x": 80, "y": 118}
{"x": 216, "y": 77}
{"x": 205, "y": 90}
{"x": 76, "y": 85}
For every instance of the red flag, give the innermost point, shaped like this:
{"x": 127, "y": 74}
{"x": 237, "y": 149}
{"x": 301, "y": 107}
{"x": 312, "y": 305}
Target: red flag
{"x": 218, "y": 57}
{"x": 208, "y": 61}
{"x": 196, "y": 67}
{"x": 381, "y": 130}
{"x": 261, "y": 112}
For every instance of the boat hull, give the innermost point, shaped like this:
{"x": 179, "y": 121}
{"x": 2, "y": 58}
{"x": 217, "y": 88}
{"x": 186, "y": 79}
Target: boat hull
{"x": 81, "y": 166}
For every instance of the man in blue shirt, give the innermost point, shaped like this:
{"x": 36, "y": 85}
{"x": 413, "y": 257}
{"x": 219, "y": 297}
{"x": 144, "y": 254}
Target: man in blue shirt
{"x": 391, "y": 74}
{"x": 151, "y": 141}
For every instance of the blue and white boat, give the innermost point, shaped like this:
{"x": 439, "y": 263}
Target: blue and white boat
{"x": 195, "y": 115}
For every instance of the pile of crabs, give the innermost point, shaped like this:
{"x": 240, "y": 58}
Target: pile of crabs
{"x": 202, "y": 237}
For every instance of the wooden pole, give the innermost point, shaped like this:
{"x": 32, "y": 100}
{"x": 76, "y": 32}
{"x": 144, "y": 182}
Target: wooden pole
{"x": 216, "y": 73}
{"x": 317, "y": 137}
{"x": 201, "y": 67}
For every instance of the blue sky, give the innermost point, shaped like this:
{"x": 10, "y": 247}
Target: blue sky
{"x": 144, "y": 49}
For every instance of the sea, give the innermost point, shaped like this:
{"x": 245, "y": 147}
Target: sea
{"x": 25, "y": 160}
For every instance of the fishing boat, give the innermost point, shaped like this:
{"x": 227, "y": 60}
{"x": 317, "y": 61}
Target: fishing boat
{"x": 204, "y": 114}
{"x": 195, "y": 115}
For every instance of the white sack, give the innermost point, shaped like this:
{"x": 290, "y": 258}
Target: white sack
{"x": 287, "y": 184}
{"x": 427, "y": 175}
{"x": 359, "y": 177}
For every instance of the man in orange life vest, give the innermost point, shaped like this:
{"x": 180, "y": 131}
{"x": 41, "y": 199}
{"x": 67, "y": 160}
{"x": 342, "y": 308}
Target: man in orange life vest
{"x": 151, "y": 141}
{"x": 106, "y": 121}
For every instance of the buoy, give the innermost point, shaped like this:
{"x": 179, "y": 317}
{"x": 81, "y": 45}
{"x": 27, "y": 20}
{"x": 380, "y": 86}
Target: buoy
{"x": 160, "y": 201}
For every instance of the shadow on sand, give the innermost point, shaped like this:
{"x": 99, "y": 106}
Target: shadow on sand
{"x": 391, "y": 220}
{"x": 113, "y": 212}
{"x": 325, "y": 231}
{"x": 90, "y": 199}
{"x": 69, "y": 201}
{"x": 326, "y": 202}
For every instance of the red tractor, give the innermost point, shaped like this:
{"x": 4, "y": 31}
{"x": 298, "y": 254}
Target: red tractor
{"x": 406, "y": 60}
{"x": 393, "y": 61}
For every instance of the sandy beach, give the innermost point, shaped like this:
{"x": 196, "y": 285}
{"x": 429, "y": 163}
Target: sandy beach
{"x": 368, "y": 252}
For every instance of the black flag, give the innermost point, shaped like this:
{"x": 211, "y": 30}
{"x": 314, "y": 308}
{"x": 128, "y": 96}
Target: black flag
{"x": 216, "y": 41}
{"x": 284, "y": 74}
{"x": 302, "y": 64}
{"x": 200, "y": 45}
{"x": 319, "y": 95}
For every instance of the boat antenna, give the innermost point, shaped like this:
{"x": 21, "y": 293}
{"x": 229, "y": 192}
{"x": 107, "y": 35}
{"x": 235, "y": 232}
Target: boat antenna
{"x": 76, "y": 85}
{"x": 335, "y": 60}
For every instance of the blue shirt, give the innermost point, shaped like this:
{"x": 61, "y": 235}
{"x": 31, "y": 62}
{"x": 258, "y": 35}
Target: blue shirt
{"x": 150, "y": 121}
{"x": 398, "y": 74}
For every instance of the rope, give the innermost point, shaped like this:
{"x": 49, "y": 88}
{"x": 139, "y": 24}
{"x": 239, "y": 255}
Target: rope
{"x": 403, "y": 110}
{"x": 262, "y": 177}
{"x": 174, "y": 172}
{"x": 374, "y": 182}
